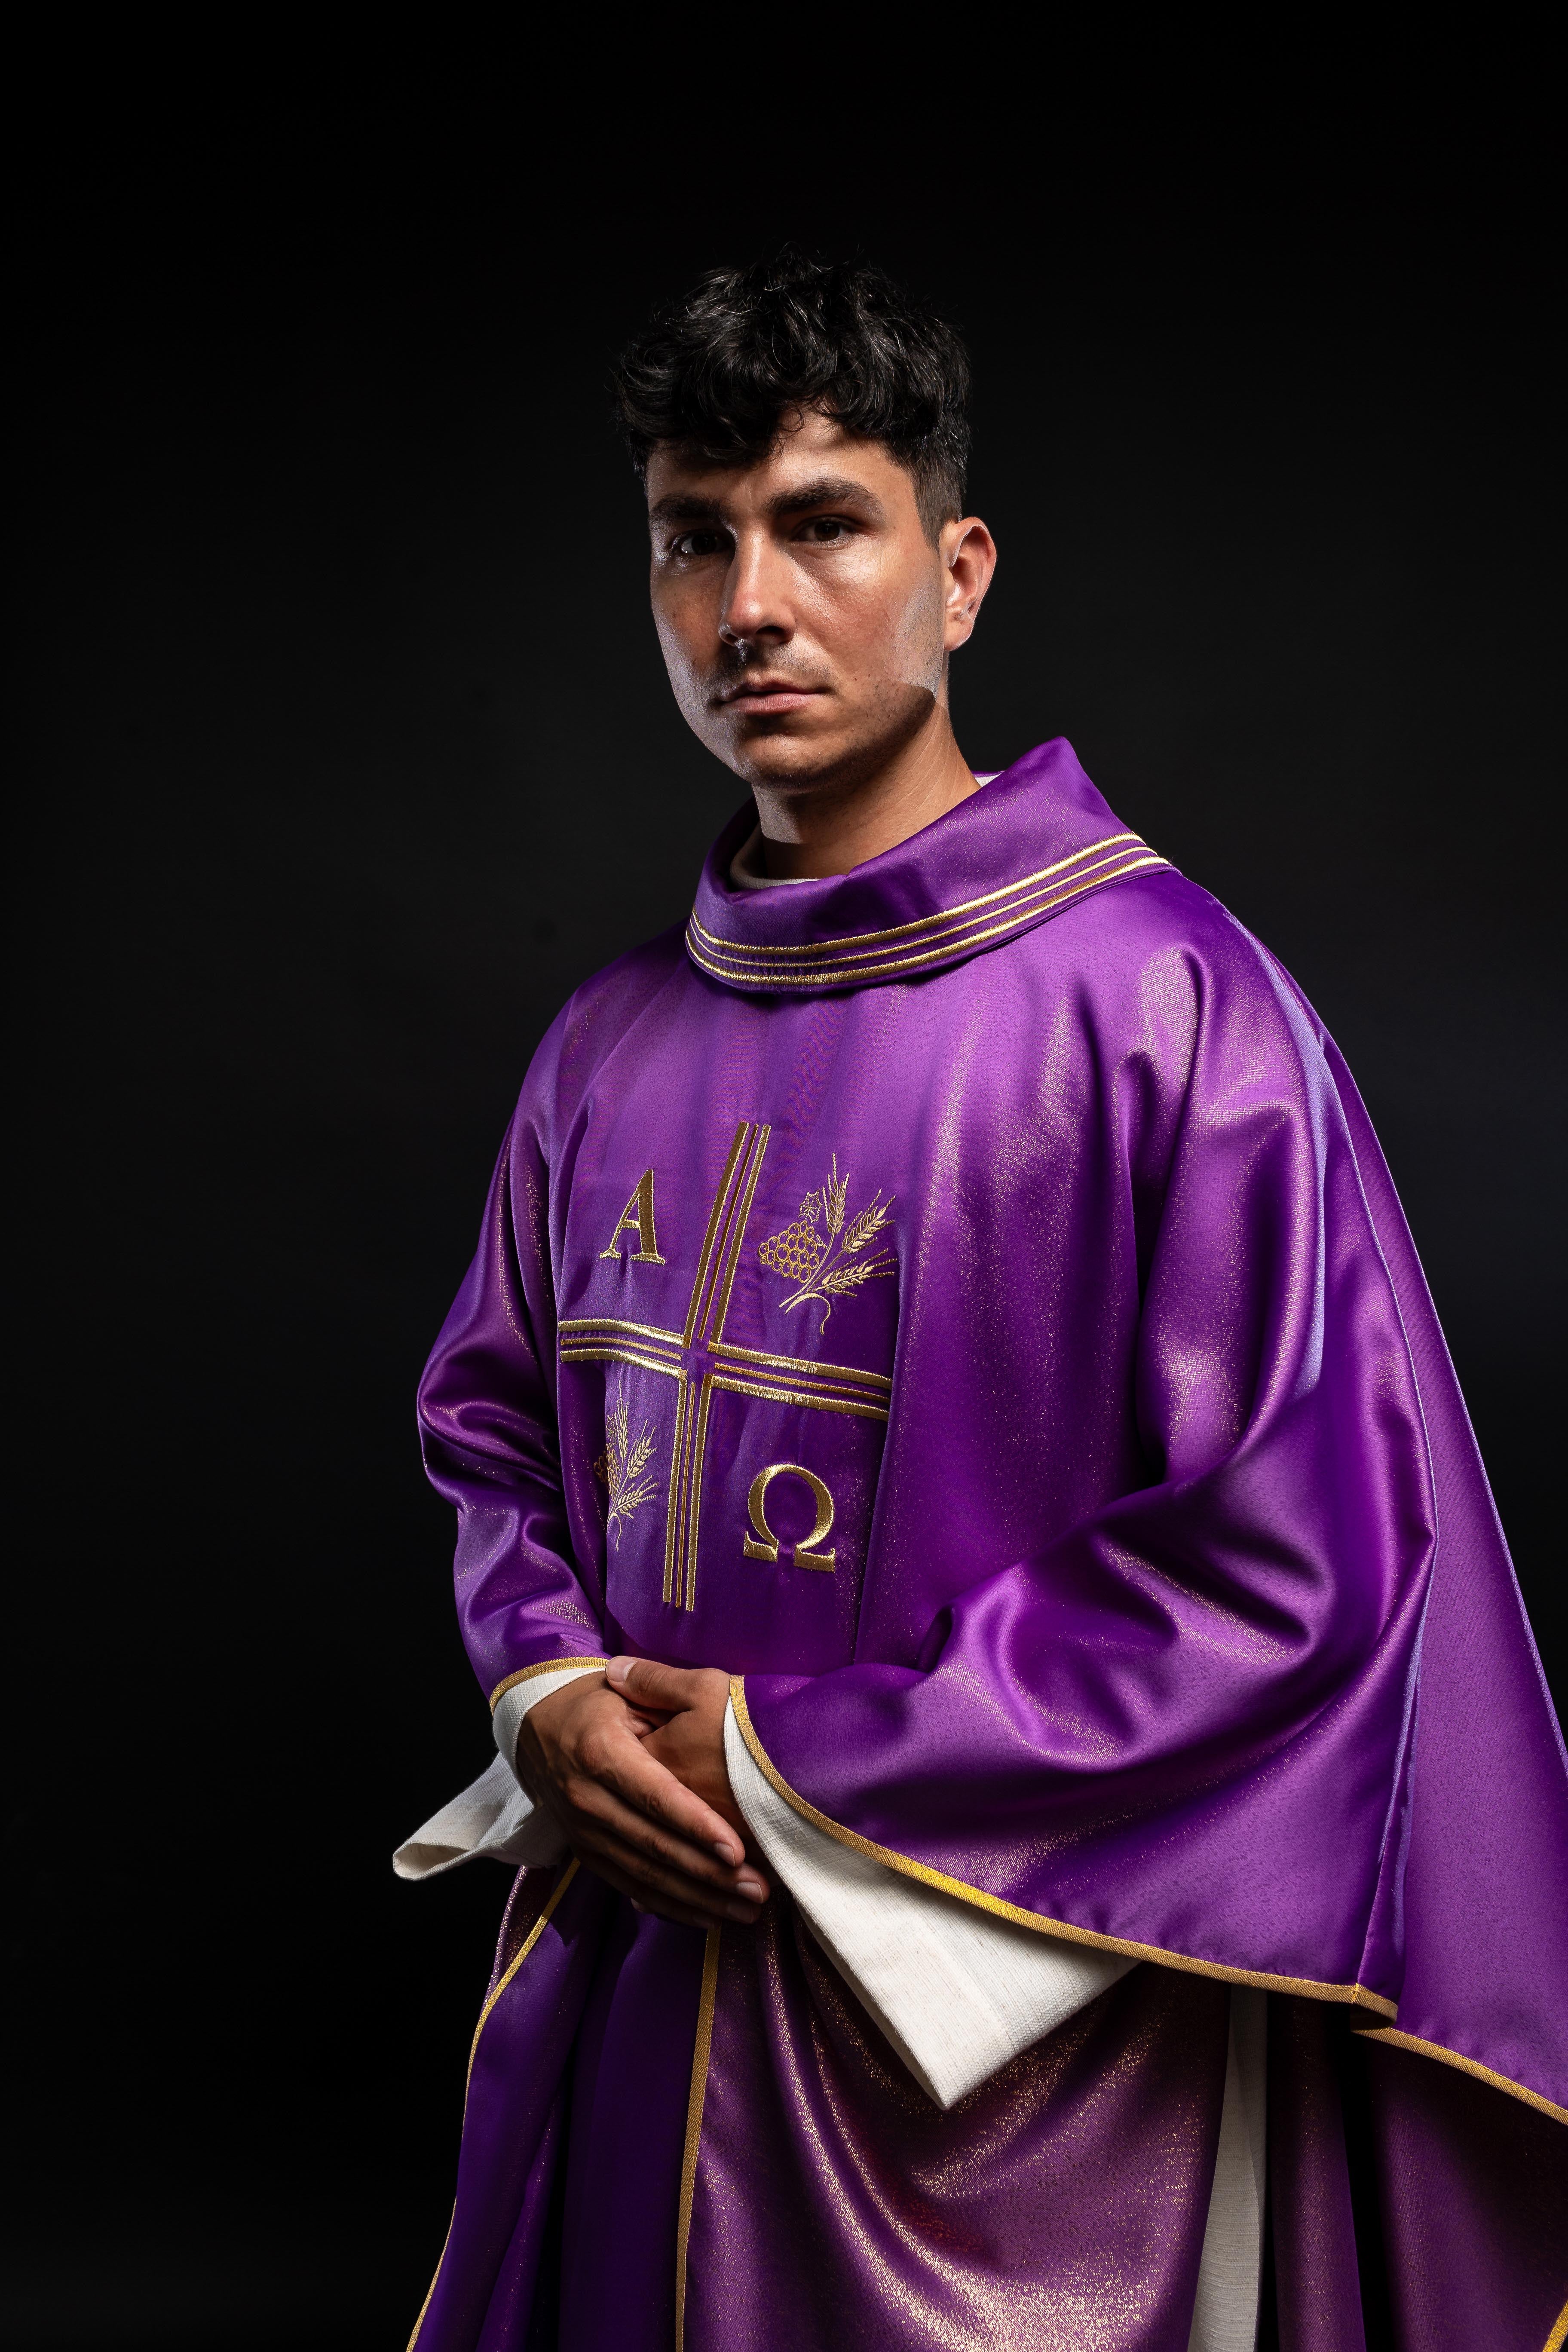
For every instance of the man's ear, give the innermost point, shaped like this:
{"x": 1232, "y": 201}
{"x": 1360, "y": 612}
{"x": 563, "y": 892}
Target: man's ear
{"x": 969, "y": 557}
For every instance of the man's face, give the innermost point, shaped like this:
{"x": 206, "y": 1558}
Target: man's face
{"x": 806, "y": 617}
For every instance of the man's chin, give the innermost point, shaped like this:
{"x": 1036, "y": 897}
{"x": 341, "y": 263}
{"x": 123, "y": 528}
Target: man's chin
{"x": 781, "y": 758}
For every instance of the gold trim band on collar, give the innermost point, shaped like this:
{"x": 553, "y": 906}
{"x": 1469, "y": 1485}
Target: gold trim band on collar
{"x": 545, "y": 1666}
{"x": 856, "y": 943}
{"x": 723, "y": 959}
{"x": 1447, "y": 2057}
{"x": 1356, "y": 1995}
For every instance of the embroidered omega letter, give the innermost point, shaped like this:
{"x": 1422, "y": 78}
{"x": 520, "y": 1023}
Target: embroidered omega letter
{"x": 764, "y": 1545}
{"x": 637, "y": 1216}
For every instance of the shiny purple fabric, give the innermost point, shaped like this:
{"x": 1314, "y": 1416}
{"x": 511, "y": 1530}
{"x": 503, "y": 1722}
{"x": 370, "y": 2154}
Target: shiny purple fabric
{"x": 1460, "y": 2170}
{"x": 1161, "y": 1596}
{"x": 1061, "y": 2203}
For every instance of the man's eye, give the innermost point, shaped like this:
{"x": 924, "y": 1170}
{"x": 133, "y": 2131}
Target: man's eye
{"x": 697, "y": 543}
{"x": 823, "y": 530}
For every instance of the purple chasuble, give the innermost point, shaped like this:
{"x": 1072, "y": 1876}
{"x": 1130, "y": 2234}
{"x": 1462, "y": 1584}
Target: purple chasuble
{"x": 964, "y": 1301}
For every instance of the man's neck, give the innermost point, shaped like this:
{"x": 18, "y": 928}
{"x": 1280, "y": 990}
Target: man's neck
{"x": 830, "y": 829}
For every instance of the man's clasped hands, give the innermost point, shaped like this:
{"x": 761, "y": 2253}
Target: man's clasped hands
{"x": 630, "y": 1765}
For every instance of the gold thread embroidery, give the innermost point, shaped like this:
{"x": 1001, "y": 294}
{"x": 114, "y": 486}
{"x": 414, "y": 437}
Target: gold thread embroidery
{"x": 742, "y": 1137}
{"x": 854, "y": 975}
{"x": 619, "y": 1356}
{"x": 1559, "y": 2336}
{"x": 700, "y": 2050}
{"x": 594, "y": 1324}
{"x": 738, "y": 1234}
{"x": 672, "y": 1511}
{"x": 694, "y": 1506}
{"x": 843, "y": 1375}
{"x": 534, "y": 1933}
{"x": 1023, "y": 907}
{"x": 621, "y": 1466}
{"x": 545, "y": 1666}
{"x": 732, "y": 967}
{"x": 823, "y": 1403}
{"x": 638, "y": 1214}
{"x": 1112, "y": 848}
{"x": 1447, "y": 2057}
{"x": 765, "y": 1545}
{"x": 828, "y": 1264}
{"x": 1356, "y": 1995}
{"x": 840, "y": 1265}
{"x": 709, "y": 1305}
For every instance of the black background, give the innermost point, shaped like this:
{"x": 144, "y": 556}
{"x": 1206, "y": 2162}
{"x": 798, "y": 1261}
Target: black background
{"x": 352, "y": 756}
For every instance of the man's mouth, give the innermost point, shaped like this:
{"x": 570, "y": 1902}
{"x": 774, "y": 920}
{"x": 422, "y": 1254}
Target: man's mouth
{"x": 765, "y": 696}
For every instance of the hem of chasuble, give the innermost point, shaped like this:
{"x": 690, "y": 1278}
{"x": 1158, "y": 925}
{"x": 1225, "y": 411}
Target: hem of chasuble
{"x": 1446, "y": 2057}
{"x": 1356, "y": 1995}
{"x": 532, "y": 1936}
{"x": 545, "y": 1666}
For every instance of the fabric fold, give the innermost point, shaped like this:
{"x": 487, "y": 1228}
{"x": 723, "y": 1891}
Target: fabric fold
{"x": 955, "y": 1992}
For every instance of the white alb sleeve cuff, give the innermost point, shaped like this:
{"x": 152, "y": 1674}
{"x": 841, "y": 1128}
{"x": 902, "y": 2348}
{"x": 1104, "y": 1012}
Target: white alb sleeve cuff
{"x": 493, "y": 1816}
{"x": 955, "y": 1989}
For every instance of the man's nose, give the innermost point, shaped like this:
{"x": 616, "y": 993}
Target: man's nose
{"x": 756, "y": 600}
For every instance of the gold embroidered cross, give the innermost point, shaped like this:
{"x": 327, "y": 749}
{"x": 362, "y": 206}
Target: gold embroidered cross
{"x": 699, "y": 1360}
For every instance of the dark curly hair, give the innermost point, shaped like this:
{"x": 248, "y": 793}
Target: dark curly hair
{"x": 719, "y": 371}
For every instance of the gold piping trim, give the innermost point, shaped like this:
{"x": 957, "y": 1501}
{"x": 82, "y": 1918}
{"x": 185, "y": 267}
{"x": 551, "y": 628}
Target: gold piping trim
{"x": 859, "y": 941}
{"x": 913, "y": 963}
{"x": 1024, "y": 902}
{"x": 534, "y": 1933}
{"x": 545, "y": 1666}
{"x": 619, "y": 1356}
{"x": 796, "y": 1396}
{"x": 693, "y": 1313}
{"x": 735, "y": 1238}
{"x": 1466, "y": 2066}
{"x": 1356, "y": 1995}
{"x": 431, "y": 2288}
{"x": 741, "y": 1134}
{"x": 532, "y": 1936}
{"x": 1559, "y": 2336}
{"x": 803, "y": 1364}
{"x": 591, "y": 1323}
{"x": 672, "y": 1509}
{"x": 694, "y": 1506}
{"x": 700, "y": 2053}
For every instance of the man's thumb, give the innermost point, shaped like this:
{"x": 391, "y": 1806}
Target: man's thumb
{"x": 647, "y": 1685}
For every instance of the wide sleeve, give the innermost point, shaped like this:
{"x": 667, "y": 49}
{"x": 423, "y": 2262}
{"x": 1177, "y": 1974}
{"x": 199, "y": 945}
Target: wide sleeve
{"x": 1182, "y": 1731}
{"x": 487, "y": 1424}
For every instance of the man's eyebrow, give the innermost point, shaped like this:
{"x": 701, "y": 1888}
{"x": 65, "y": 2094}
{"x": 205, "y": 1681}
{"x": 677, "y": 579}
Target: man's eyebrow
{"x": 684, "y": 505}
{"x": 827, "y": 490}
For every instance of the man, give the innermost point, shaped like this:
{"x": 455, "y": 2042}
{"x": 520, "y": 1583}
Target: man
{"x": 1007, "y": 1682}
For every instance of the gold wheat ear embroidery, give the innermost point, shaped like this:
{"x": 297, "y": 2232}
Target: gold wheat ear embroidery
{"x": 823, "y": 1257}
{"x": 620, "y": 1468}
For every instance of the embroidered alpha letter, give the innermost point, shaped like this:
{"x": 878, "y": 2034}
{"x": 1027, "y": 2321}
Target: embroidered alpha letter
{"x": 637, "y": 1217}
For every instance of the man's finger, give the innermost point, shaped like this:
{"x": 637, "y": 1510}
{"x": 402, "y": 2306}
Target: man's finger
{"x": 601, "y": 1803}
{"x": 670, "y": 1892}
{"x": 625, "y": 1766}
{"x": 646, "y": 1684}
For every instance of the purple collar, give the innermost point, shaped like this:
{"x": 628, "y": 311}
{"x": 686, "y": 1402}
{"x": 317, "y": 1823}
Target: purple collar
{"x": 1038, "y": 838}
